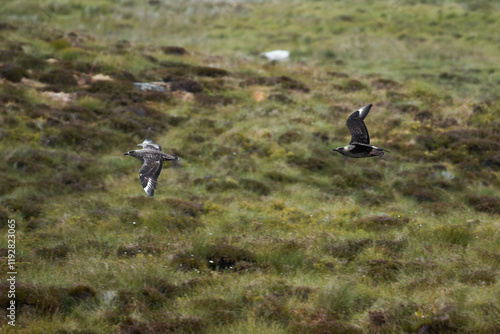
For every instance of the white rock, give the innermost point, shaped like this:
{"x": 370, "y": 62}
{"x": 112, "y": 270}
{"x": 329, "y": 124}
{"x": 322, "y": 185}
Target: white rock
{"x": 60, "y": 97}
{"x": 108, "y": 297}
{"x": 277, "y": 55}
{"x": 101, "y": 77}
{"x": 146, "y": 86}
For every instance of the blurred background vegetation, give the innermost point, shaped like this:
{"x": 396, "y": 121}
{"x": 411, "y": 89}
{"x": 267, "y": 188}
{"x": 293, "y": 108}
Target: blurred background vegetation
{"x": 259, "y": 228}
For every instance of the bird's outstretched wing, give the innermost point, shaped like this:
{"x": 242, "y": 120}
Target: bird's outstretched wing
{"x": 357, "y": 127}
{"x": 148, "y": 144}
{"x": 148, "y": 174}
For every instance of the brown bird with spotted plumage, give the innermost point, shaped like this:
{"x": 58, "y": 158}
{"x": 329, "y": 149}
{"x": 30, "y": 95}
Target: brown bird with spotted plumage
{"x": 152, "y": 158}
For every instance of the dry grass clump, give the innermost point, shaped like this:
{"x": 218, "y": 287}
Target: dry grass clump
{"x": 132, "y": 250}
{"x": 163, "y": 324}
{"x": 183, "y": 207}
{"x": 488, "y": 204}
{"x": 81, "y": 292}
{"x": 47, "y": 300}
{"x": 59, "y": 252}
{"x": 224, "y": 256}
{"x": 349, "y": 250}
{"x": 380, "y": 222}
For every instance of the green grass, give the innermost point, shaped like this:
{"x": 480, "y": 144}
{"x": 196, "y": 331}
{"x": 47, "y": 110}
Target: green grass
{"x": 259, "y": 228}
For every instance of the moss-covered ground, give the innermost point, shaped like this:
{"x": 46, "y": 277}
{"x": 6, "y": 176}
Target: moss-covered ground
{"x": 260, "y": 227}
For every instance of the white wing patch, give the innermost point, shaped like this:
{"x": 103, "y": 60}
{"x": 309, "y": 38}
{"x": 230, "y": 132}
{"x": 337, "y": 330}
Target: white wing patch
{"x": 150, "y": 188}
{"x": 363, "y": 111}
{"x": 148, "y": 143}
{"x": 148, "y": 174}
{"x": 348, "y": 147}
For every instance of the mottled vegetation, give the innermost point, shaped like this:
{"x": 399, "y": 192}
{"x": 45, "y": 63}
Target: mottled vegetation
{"x": 259, "y": 227}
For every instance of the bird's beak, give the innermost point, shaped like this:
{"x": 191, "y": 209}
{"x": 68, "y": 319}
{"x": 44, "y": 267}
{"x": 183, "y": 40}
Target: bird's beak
{"x": 336, "y": 150}
{"x": 126, "y": 153}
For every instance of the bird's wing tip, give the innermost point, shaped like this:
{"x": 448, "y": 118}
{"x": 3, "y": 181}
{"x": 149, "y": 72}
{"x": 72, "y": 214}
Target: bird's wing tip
{"x": 363, "y": 111}
{"x": 367, "y": 107}
{"x": 145, "y": 142}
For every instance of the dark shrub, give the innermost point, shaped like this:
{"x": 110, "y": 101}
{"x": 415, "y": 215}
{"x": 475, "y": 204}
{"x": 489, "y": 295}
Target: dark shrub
{"x": 280, "y": 98}
{"x": 7, "y": 26}
{"x": 28, "y": 206}
{"x": 117, "y": 93}
{"x": 493, "y": 162}
{"x": 289, "y": 83}
{"x": 221, "y": 185}
{"x": 273, "y": 309}
{"x": 165, "y": 324}
{"x": 383, "y": 270}
{"x": 385, "y": 84}
{"x": 312, "y": 163}
{"x": 395, "y": 96}
{"x": 166, "y": 288}
{"x": 407, "y": 108}
{"x": 354, "y": 85}
{"x": 377, "y": 318}
{"x": 224, "y": 256}
{"x": 53, "y": 253}
{"x": 13, "y": 72}
{"x": 478, "y": 277}
{"x": 81, "y": 292}
{"x": 187, "y": 85}
{"x": 489, "y": 204}
{"x": 419, "y": 192}
{"x": 134, "y": 249}
{"x": 4, "y": 217}
{"x": 185, "y": 207}
{"x": 279, "y": 177}
{"x": 392, "y": 246}
{"x": 174, "y": 50}
{"x": 318, "y": 322}
{"x": 423, "y": 116}
{"x": 210, "y": 71}
{"x": 153, "y": 297}
{"x": 302, "y": 292}
{"x": 290, "y": 136}
{"x": 255, "y": 186}
{"x": 349, "y": 250}
{"x": 186, "y": 262}
{"x": 8, "y": 184}
{"x": 60, "y": 78}
{"x": 44, "y": 299}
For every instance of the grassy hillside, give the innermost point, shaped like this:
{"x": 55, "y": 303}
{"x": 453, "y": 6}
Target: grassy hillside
{"x": 260, "y": 227}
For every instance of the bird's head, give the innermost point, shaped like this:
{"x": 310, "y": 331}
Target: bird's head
{"x": 339, "y": 149}
{"x": 131, "y": 153}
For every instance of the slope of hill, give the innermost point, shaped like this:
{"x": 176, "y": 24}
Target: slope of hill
{"x": 260, "y": 228}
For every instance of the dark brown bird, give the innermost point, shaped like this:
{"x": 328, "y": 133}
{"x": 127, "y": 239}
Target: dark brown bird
{"x": 153, "y": 158}
{"x": 359, "y": 147}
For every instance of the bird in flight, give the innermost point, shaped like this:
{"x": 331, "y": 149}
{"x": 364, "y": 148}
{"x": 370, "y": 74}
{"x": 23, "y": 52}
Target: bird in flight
{"x": 359, "y": 147}
{"x": 152, "y": 158}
